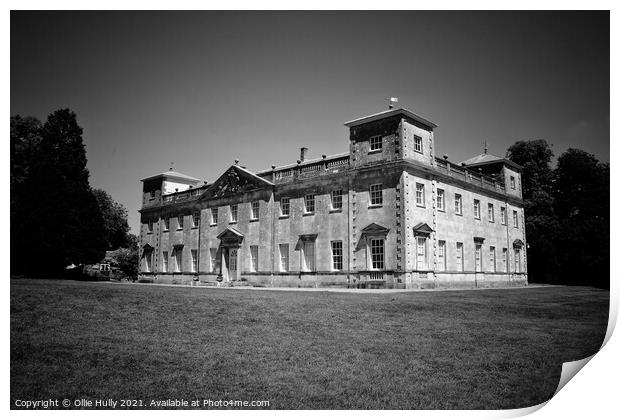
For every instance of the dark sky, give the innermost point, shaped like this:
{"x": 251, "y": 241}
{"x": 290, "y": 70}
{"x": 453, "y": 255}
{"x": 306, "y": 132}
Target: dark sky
{"x": 204, "y": 88}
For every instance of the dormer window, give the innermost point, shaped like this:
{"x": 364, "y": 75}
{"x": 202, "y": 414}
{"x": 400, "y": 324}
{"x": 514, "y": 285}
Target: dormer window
{"x": 376, "y": 143}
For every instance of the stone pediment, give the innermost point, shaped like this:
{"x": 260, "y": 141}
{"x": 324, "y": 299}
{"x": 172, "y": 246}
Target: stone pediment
{"x": 375, "y": 229}
{"x": 234, "y": 181}
{"x": 518, "y": 243}
{"x": 230, "y": 236}
{"x": 422, "y": 229}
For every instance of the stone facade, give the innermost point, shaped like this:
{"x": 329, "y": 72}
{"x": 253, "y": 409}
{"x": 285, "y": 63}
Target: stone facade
{"x": 389, "y": 213}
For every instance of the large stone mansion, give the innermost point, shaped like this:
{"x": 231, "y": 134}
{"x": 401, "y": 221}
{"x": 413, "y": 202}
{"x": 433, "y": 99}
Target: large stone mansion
{"x": 388, "y": 213}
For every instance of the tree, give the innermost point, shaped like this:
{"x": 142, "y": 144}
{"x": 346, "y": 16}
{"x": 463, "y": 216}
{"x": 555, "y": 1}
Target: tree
{"x": 114, "y": 217}
{"x": 55, "y": 217}
{"x": 128, "y": 257}
{"x": 541, "y": 222}
{"x": 582, "y": 203}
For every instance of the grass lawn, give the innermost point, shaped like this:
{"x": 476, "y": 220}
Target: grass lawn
{"x": 476, "y": 349}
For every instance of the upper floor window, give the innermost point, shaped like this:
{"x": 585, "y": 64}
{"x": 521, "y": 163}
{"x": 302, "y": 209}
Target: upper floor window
{"x": 233, "y": 213}
{"x": 180, "y": 222}
{"x": 477, "y": 209}
{"x": 515, "y": 218}
{"x": 214, "y": 216}
{"x": 285, "y": 206}
{"x": 441, "y": 200}
{"x": 336, "y": 199}
{"x": 376, "y": 143}
{"x": 417, "y": 144}
{"x": 419, "y": 194}
{"x": 376, "y": 194}
{"x": 149, "y": 226}
{"x": 491, "y": 213}
{"x": 502, "y": 215}
{"x": 513, "y": 183}
{"x": 255, "y": 210}
{"x": 166, "y": 223}
{"x": 152, "y": 194}
{"x": 309, "y": 203}
{"x": 195, "y": 219}
{"x": 458, "y": 204}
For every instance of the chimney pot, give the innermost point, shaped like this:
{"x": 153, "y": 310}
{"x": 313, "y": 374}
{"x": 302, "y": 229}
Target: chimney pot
{"x": 302, "y": 155}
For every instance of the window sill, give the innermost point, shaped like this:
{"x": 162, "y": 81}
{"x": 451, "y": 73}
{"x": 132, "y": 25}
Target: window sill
{"x": 212, "y": 224}
{"x": 441, "y": 211}
{"x": 375, "y": 206}
{"x": 418, "y": 151}
{"x": 310, "y": 213}
{"x": 178, "y": 229}
{"x": 420, "y": 205}
{"x": 373, "y": 152}
{"x": 491, "y": 221}
{"x": 283, "y": 216}
{"x": 232, "y": 223}
{"x": 166, "y": 230}
{"x": 253, "y": 220}
{"x": 194, "y": 227}
{"x": 335, "y": 211}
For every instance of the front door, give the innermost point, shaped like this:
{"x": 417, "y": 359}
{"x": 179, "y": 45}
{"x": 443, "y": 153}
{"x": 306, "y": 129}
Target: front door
{"x": 232, "y": 264}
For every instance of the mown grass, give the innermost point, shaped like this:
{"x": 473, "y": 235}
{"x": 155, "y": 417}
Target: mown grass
{"x": 482, "y": 349}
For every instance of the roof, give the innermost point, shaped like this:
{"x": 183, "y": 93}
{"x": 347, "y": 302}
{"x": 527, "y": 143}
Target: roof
{"x": 252, "y": 174}
{"x": 305, "y": 162}
{"x": 487, "y": 159}
{"x": 390, "y": 113}
{"x": 172, "y": 174}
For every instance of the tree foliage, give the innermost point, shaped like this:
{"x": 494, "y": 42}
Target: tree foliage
{"x": 566, "y": 214}
{"x": 55, "y": 217}
{"x": 114, "y": 216}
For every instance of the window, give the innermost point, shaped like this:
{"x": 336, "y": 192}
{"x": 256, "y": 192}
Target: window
{"x": 491, "y": 213}
{"x": 478, "y": 256}
{"x": 196, "y": 219}
{"x": 492, "y": 266}
{"x": 255, "y": 210}
{"x": 178, "y": 259}
{"x": 459, "y": 256}
{"x": 213, "y": 217}
{"x": 336, "y": 199}
{"x": 505, "y": 260}
{"x": 376, "y": 143}
{"x": 515, "y": 218}
{"x": 421, "y": 253}
{"x": 477, "y": 209}
{"x": 166, "y": 223}
{"x": 419, "y": 194}
{"x": 284, "y": 257}
{"x": 517, "y": 260}
{"x": 194, "y": 253}
{"x": 377, "y": 256}
{"x": 513, "y": 184}
{"x": 308, "y": 258}
{"x": 441, "y": 200}
{"x": 179, "y": 222}
{"x": 233, "y": 213}
{"x": 417, "y": 144}
{"x": 149, "y": 226}
{"x": 285, "y": 206}
{"x": 337, "y": 255}
{"x": 254, "y": 258}
{"x": 441, "y": 255}
{"x": 502, "y": 215}
{"x": 148, "y": 261}
{"x": 213, "y": 259}
{"x": 458, "y": 204}
{"x": 309, "y": 203}
{"x": 376, "y": 194}
{"x": 164, "y": 262}
{"x": 152, "y": 194}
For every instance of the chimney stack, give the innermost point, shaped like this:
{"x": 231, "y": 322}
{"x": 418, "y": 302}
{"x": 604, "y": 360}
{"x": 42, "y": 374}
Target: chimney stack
{"x": 302, "y": 155}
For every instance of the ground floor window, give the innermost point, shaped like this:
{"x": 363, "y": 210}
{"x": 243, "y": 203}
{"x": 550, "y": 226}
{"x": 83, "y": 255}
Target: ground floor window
{"x": 178, "y": 260}
{"x": 284, "y": 264}
{"x": 213, "y": 259}
{"x": 478, "y": 257}
{"x": 337, "y": 255}
{"x": 308, "y": 256}
{"x": 194, "y": 260}
{"x": 441, "y": 255}
{"x": 505, "y": 260}
{"x": 517, "y": 260}
{"x": 164, "y": 262}
{"x": 377, "y": 254}
{"x": 459, "y": 256}
{"x": 148, "y": 261}
{"x": 492, "y": 259}
{"x": 253, "y": 258}
{"x": 421, "y": 253}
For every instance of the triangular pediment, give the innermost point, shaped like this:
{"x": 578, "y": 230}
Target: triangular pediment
{"x": 518, "y": 243}
{"x": 422, "y": 229}
{"x": 374, "y": 228}
{"x": 230, "y": 233}
{"x": 234, "y": 181}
